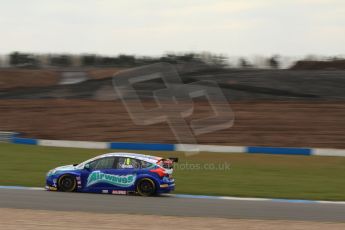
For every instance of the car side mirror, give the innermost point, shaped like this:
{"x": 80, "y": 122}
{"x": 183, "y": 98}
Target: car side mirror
{"x": 87, "y": 167}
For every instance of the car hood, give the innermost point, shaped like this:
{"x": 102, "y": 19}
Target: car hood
{"x": 65, "y": 168}
{"x": 60, "y": 169}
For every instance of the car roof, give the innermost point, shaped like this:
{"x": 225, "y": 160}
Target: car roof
{"x": 148, "y": 158}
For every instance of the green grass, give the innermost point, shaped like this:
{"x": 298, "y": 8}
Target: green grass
{"x": 300, "y": 177}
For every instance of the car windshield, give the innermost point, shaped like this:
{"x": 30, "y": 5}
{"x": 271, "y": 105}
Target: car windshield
{"x": 81, "y": 165}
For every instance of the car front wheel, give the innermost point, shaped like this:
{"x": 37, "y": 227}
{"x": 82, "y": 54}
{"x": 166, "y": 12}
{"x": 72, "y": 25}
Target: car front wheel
{"x": 67, "y": 183}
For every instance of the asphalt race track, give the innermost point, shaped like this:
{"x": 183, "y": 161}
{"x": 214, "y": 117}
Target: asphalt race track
{"x": 173, "y": 206}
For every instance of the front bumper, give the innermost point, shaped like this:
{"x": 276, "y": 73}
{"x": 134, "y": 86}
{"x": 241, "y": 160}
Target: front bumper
{"x": 50, "y": 188}
{"x": 51, "y": 183}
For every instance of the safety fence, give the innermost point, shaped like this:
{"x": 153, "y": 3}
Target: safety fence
{"x": 175, "y": 147}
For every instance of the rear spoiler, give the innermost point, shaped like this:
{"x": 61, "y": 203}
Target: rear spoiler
{"x": 173, "y": 159}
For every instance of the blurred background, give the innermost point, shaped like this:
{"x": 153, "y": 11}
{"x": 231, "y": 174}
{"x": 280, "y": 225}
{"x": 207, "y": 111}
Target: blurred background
{"x": 280, "y": 65}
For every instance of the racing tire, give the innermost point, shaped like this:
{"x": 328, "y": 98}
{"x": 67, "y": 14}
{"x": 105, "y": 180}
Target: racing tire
{"x": 67, "y": 183}
{"x": 146, "y": 187}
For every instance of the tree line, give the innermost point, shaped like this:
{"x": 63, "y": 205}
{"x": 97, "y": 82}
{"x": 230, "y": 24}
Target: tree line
{"x": 31, "y": 60}
{"x": 19, "y": 59}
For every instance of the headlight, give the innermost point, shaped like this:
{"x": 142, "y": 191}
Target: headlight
{"x": 51, "y": 172}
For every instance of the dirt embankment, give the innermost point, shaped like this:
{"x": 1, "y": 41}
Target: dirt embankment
{"x": 100, "y": 73}
{"x": 25, "y": 78}
{"x": 314, "y": 124}
{"x": 255, "y": 85}
{"x": 13, "y": 78}
{"x": 272, "y": 107}
{"x": 319, "y": 65}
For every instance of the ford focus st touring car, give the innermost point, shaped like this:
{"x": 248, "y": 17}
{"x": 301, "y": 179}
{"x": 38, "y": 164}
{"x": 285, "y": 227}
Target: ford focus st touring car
{"x": 115, "y": 173}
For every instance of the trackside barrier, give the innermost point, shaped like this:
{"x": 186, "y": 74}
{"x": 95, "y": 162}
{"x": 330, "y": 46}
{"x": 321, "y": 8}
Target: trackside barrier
{"x": 74, "y": 144}
{"x": 210, "y": 148}
{"x": 7, "y": 136}
{"x": 142, "y": 146}
{"x": 26, "y": 141}
{"x": 329, "y": 152}
{"x": 180, "y": 147}
{"x": 274, "y": 150}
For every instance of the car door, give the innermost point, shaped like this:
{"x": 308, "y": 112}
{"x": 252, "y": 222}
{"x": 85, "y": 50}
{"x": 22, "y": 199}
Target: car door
{"x": 95, "y": 177}
{"x": 124, "y": 174}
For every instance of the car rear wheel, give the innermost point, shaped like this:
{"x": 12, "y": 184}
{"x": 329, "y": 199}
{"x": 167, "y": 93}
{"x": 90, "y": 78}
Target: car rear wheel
{"x": 67, "y": 183}
{"x": 146, "y": 187}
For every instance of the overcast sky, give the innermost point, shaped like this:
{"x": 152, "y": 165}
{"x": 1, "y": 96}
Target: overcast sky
{"x": 154, "y": 27}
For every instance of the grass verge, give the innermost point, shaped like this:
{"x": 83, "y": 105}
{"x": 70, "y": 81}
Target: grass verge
{"x": 275, "y": 176}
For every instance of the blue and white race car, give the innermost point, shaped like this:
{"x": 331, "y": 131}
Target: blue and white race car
{"x": 115, "y": 173}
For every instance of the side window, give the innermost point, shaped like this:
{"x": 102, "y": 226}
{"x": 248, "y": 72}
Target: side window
{"x": 146, "y": 165}
{"x": 127, "y": 163}
{"x": 103, "y": 163}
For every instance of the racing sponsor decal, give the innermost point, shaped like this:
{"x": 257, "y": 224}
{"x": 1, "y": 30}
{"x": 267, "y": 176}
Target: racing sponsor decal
{"x": 121, "y": 181}
{"x": 105, "y": 191}
{"x": 78, "y": 181}
{"x": 119, "y": 192}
